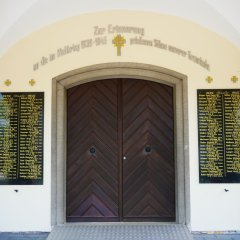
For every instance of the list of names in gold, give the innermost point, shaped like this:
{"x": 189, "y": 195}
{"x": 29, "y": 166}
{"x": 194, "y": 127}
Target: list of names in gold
{"x": 21, "y": 138}
{"x": 8, "y": 138}
{"x": 232, "y": 131}
{"x": 219, "y": 131}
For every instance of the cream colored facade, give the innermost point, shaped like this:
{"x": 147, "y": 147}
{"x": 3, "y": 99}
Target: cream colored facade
{"x": 159, "y": 40}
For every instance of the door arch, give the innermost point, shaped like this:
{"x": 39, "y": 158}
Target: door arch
{"x": 118, "y": 70}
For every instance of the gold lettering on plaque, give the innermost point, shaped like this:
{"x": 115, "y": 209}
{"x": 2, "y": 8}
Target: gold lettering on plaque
{"x": 21, "y": 138}
{"x": 219, "y": 135}
{"x": 119, "y": 42}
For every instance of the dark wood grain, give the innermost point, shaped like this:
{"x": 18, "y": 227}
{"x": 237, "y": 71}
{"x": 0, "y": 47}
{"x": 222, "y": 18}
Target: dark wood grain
{"x": 92, "y": 179}
{"x": 148, "y": 178}
{"x": 120, "y": 117}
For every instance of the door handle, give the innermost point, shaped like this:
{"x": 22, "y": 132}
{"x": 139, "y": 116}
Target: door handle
{"x": 124, "y": 158}
{"x": 92, "y": 150}
{"x": 148, "y": 149}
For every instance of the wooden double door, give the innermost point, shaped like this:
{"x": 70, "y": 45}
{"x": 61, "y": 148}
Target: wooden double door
{"x": 120, "y": 151}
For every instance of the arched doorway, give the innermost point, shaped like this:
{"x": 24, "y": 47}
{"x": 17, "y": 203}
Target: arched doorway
{"x": 114, "y": 71}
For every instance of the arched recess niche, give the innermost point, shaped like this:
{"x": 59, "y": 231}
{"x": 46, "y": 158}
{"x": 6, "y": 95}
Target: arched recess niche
{"x": 75, "y": 77}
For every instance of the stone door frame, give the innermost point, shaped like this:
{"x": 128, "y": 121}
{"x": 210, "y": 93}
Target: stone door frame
{"x": 108, "y": 71}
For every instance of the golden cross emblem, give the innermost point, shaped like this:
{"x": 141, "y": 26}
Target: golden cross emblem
{"x": 119, "y": 42}
{"x": 8, "y": 82}
{"x": 209, "y": 79}
{"x": 32, "y": 82}
{"x": 234, "y": 79}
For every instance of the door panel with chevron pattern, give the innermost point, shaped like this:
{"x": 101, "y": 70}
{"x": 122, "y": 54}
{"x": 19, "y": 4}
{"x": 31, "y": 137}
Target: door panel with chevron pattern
{"x": 92, "y": 152}
{"x": 109, "y": 121}
{"x": 148, "y": 168}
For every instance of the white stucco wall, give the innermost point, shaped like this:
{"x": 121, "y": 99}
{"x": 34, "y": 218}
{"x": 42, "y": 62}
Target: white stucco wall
{"x": 212, "y": 209}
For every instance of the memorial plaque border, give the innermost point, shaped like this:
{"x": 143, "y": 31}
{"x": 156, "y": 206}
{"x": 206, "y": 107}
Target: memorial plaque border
{"x": 229, "y": 177}
{"x": 22, "y": 181}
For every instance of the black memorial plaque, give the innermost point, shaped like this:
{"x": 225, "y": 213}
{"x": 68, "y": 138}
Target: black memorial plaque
{"x": 219, "y": 135}
{"x": 21, "y": 138}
